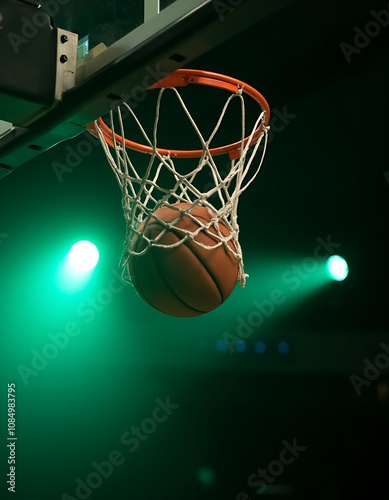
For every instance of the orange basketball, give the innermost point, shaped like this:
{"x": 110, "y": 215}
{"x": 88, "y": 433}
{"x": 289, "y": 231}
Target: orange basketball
{"x": 187, "y": 280}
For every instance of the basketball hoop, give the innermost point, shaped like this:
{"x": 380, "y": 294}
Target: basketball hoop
{"x": 142, "y": 187}
{"x": 182, "y": 78}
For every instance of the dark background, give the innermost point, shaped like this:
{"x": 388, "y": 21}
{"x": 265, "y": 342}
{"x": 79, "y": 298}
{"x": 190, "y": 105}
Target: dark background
{"x": 325, "y": 173}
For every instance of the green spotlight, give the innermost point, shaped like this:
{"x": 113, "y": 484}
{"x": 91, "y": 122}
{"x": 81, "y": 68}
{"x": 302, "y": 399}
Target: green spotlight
{"x": 337, "y": 268}
{"x": 83, "y": 256}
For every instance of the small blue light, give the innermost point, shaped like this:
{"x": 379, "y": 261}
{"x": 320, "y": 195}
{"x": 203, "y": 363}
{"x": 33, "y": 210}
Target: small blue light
{"x": 221, "y": 345}
{"x": 283, "y": 347}
{"x": 260, "y": 347}
{"x": 240, "y": 346}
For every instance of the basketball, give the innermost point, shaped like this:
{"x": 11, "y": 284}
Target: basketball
{"x": 186, "y": 280}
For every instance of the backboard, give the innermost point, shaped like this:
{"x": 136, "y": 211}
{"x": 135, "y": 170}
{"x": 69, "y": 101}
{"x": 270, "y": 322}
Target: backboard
{"x": 123, "y": 47}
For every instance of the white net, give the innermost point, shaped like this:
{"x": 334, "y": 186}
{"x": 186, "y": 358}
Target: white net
{"x": 165, "y": 181}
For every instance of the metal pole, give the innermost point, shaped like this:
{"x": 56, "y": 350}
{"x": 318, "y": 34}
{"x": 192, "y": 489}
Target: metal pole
{"x": 152, "y": 8}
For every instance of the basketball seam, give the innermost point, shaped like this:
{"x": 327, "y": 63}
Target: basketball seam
{"x": 175, "y": 231}
{"x": 155, "y": 261}
{"x": 171, "y": 289}
{"x": 211, "y": 275}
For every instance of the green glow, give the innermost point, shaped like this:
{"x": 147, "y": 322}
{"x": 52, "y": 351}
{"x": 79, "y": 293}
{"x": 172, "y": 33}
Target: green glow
{"x": 69, "y": 280}
{"x": 276, "y": 286}
{"x": 84, "y": 256}
{"x": 337, "y": 268}
{"x": 75, "y": 269}
{"x": 206, "y": 476}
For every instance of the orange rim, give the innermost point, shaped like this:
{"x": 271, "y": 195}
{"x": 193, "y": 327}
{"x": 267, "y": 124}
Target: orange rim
{"x": 182, "y": 78}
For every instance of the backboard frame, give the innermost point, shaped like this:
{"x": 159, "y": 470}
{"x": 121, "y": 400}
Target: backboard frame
{"x": 180, "y": 33}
